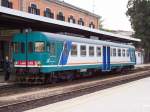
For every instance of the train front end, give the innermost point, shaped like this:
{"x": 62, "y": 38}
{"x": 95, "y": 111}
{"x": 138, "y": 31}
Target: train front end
{"x": 29, "y": 54}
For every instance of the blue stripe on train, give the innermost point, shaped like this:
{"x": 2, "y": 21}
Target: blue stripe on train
{"x": 65, "y": 54}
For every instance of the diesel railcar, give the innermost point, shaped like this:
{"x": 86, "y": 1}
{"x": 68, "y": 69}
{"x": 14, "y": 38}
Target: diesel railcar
{"x": 41, "y": 56}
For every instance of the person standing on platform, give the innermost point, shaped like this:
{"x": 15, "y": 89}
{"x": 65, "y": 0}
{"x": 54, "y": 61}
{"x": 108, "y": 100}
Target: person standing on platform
{"x": 7, "y": 68}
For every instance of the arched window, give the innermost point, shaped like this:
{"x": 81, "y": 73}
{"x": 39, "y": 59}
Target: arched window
{"x": 60, "y": 16}
{"x": 71, "y": 19}
{"x": 48, "y": 13}
{"x": 81, "y": 22}
{"x": 6, "y": 3}
{"x": 33, "y": 9}
{"x": 91, "y": 25}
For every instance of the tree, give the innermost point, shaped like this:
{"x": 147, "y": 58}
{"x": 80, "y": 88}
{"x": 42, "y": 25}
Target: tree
{"x": 139, "y": 14}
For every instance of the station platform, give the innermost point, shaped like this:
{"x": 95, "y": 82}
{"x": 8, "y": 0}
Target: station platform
{"x": 142, "y": 65}
{"x": 131, "y": 97}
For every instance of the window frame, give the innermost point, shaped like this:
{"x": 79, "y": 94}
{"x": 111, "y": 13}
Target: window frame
{"x": 123, "y": 53}
{"x": 93, "y": 51}
{"x": 114, "y": 52}
{"x": 119, "y": 53}
{"x": 100, "y": 51}
{"x": 128, "y": 53}
{"x": 81, "y": 51}
{"x": 76, "y": 54}
{"x": 32, "y": 46}
{"x": 35, "y": 46}
{"x": 22, "y": 47}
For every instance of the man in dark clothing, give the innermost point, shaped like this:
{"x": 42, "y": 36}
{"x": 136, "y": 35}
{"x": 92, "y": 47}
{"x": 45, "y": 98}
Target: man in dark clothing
{"x": 7, "y": 68}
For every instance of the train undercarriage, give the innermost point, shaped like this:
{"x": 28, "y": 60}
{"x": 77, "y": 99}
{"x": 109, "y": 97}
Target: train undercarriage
{"x": 25, "y": 76}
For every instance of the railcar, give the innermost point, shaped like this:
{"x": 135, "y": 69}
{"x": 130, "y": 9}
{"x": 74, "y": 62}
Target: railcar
{"x": 41, "y": 56}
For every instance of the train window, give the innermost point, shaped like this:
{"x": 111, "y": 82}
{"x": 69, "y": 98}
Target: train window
{"x": 119, "y": 52}
{"x": 48, "y": 47}
{"x": 30, "y": 47}
{"x": 16, "y": 47}
{"x": 52, "y": 48}
{"x": 39, "y": 47}
{"x": 127, "y": 53}
{"x": 91, "y": 51}
{"x": 114, "y": 52}
{"x": 83, "y": 50}
{"x": 74, "y": 50}
{"x": 98, "y": 51}
{"x": 22, "y": 47}
{"x": 123, "y": 53}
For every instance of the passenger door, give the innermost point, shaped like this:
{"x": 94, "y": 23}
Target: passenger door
{"x": 106, "y": 59}
{"x": 132, "y": 55}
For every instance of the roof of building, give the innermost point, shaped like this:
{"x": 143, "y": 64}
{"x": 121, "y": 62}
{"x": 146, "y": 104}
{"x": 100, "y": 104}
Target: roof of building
{"x": 17, "y": 18}
{"x": 65, "y": 4}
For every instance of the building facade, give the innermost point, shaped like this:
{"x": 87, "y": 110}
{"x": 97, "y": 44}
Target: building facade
{"x": 55, "y": 9}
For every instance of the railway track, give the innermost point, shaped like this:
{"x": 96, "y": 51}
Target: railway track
{"x": 18, "y": 103}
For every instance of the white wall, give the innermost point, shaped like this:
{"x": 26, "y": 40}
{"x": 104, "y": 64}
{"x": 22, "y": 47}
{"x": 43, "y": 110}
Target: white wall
{"x": 139, "y": 57}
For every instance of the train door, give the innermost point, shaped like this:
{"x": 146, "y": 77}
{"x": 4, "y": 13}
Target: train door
{"x": 132, "y": 55}
{"x": 106, "y": 58}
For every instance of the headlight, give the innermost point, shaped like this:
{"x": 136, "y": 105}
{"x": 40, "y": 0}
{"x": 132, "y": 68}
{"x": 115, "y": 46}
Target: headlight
{"x": 15, "y": 63}
{"x": 38, "y": 63}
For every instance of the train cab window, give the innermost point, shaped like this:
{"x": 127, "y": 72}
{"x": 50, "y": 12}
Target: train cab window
{"x": 114, "y": 52}
{"x": 52, "y": 48}
{"x": 30, "y": 47}
{"x": 83, "y": 50}
{"x": 22, "y": 47}
{"x": 119, "y": 52}
{"x": 123, "y": 53}
{"x": 91, "y": 51}
{"x": 48, "y": 47}
{"x": 16, "y": 47}
{"x": 39, "y": 46}
{"x": 74, "y": 50}
{"x": 98, "y": 51}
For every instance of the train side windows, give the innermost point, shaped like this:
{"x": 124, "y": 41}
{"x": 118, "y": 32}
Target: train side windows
{"x": 83, "y": 50}
{"x": 127, "y": 53}
{"x": 52, "y": 48}
{"x": 123, "y": 53}
{"x": 114, "y": 52}
{"x": 48, "y": 47}
{"x": 98, "y": 50}
{"x": 22, "y": 47}
{"x": 119, "y": 52}
{"x": 15, "y": 47}
{"x": 39, "y": 46}
{"x": 74, "y": 50}
{"x": 91, "y": 51}
{"x": 30, "y": 47}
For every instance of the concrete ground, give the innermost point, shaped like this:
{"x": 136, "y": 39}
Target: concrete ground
{"x": 131, "y": 97}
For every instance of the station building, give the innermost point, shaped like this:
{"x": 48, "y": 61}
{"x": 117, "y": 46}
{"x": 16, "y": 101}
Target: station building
{"x": 55, "y": 9}
{"x": 52, "y": 9}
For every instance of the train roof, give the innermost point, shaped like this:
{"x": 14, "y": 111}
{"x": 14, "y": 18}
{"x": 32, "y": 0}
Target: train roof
{"x": 61, "y": 37}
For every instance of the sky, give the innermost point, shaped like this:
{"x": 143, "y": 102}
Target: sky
{"x": 111, "y": 11}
